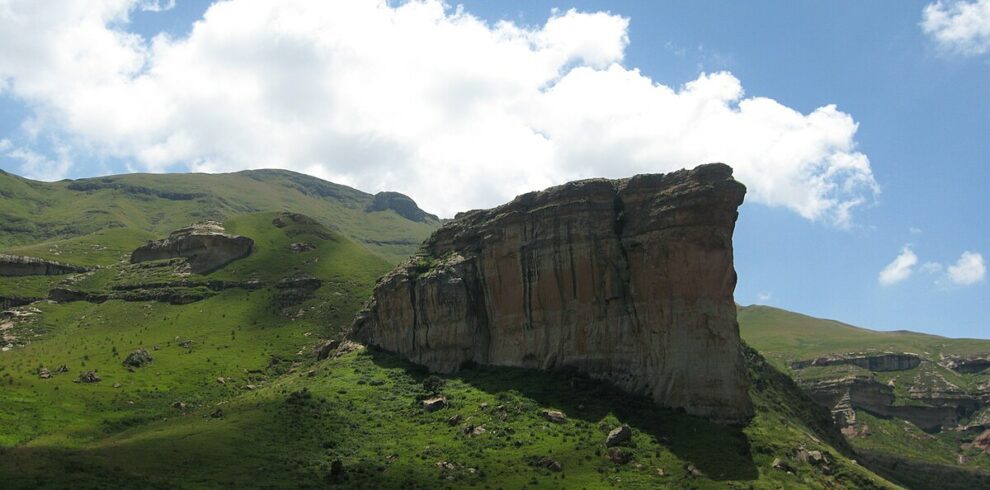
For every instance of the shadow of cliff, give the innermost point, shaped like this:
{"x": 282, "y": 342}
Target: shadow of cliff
{"x": 721, "y": 452}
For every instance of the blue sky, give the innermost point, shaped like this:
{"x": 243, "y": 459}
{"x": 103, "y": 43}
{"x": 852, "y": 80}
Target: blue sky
{"x": 907, "y": 135}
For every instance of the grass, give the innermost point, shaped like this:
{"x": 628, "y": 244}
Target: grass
{"x": 784, "y": 337}
{"x": 135, "y": 207}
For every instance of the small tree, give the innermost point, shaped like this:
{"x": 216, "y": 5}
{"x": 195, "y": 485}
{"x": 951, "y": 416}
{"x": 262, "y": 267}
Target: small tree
{"x": 433, "y": 384}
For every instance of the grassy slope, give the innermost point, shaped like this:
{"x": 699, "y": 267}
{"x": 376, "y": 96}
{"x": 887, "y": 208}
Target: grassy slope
{"x": 783, "y": 336}
{"x": 360, "y": 409}
{"x": 155, "y": 204}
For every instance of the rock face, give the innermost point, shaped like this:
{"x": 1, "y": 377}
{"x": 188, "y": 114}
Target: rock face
{"x": 629, "y": 281}
{"x": 205, "y": 246}
{"x": 401, "y": 204}
{"x": 16, "y": 265}
{"x": 887, "y": 361}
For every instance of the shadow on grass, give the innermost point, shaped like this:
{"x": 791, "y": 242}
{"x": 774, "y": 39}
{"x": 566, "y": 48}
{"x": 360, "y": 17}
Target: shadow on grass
{"x": 721, "y": 452}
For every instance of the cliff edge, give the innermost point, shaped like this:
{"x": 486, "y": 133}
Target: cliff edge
{"x": 629, "y": 281}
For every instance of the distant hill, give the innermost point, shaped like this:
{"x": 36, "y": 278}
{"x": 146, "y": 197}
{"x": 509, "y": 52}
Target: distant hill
{"x": 914, "y": 401}
{"x": 391, "y": 225}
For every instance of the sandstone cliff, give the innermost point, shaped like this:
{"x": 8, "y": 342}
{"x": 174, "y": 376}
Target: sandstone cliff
{"x": 629, "y": 281}
{"x": 205, "y": 246}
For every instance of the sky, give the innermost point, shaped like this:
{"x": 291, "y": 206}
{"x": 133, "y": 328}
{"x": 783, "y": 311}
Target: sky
{"x": 859, "y": 128}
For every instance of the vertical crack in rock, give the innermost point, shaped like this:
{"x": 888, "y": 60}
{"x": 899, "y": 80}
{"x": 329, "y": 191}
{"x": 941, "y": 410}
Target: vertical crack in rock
{"x": 645, "y": 301}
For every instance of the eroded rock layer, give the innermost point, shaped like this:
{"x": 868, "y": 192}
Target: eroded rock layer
{"x": 205, "y": 246}
{"x": 629, "y": 281}
{"x": 17, "y": 265}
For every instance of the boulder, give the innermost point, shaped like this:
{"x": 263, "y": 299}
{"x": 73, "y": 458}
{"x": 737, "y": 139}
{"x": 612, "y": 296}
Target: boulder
{"x": 205, "y": 246}
{"x": 555, "y": 416}
{"x": 628, "y": 281}
{"x": 89, "y": 377}
{"x": 434, "y": 404}
{"x": 138, "y": 358}
{"x": 619, "y": 436}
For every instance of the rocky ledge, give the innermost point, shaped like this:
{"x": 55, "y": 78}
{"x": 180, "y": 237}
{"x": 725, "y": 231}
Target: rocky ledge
{"x": 17, "y": 265}
{"x": 884, "y": 361}
{"x": 629, "y": 281}
{"x": 205, "y": 246}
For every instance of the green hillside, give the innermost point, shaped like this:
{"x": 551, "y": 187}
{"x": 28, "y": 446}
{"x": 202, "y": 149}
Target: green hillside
{"x": 896, "y": 407}
{"x": 234, "y": 394}
{"x": 36, "y": 213}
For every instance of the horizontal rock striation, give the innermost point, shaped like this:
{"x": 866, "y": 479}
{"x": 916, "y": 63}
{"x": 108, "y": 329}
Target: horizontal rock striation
{"x": 887, "y": 361}
{"x": 205, "y": 246}
{"x": 628, "y": 281}
{"x": 17, "y": 265}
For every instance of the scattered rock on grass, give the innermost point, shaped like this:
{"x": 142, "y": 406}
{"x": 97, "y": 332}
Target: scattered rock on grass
{"x": 693, "y": 470}
{"x": 619, "y": 436}
{"x": 434, "y": 404}
{"x": 44, "y": 373}
{"x": 89, "y": 377}
{"x": 549, "y": 463}
{"x": 138, "y": 358}
{"x": 455, "y": 419}
{"x": 555, "y": 416}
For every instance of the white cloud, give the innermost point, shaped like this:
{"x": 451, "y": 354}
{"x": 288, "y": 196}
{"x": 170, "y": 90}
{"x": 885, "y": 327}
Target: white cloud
{"x": 156, "y": 5}
{"x": 764, "y": 296}
{"x": 968, "y": 270}
{"x": 417, "y": 97}
{"x": 900, "y": 268}
{"x": 932, "y": 267}
{"x": 37, "y": 166}
{"x": 961, "y": 27}
{"x": 914, "y": 230}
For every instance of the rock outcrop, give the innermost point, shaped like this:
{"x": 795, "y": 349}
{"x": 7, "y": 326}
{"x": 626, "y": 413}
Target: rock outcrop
{"x": 886, "y": 361}
{"x": 629, "y": 281}
{"x": 401, "y": 204}
{"x": 205, "y": 246}
{"x": 17, "y": 265}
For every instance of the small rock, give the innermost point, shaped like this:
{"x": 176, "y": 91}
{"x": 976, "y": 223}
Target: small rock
{"x": 661, "y": 472}
{"x": 44, "y": 373}
{"x": 301, "y": 247}
{"x": 326, "y": 349}
{"x": 221, "y": 380}
{"x": 549, "y": 463}
{"x": 138, "y": 358}
{"x": 157, "y": 347}
{"x": 117, "y": 385}
{"x": 619, "y": 436}
{"x": 89, "y": 377}
{"x": 311, "y": 373}
{"x": 218, "y": 413}
{"x": 179, "y": 405}
{"x": 250, "y": 387}
{"x": 446, "y": 465}
{"x": 185, "y": 344}
{"x": 62, "y": 369}
{"x": 555, "y": 416}
{"x": 434, "y": 404}
{"x": 693, "y": 470}
{"x": 618, "y": 456}
{"x": 472, "y": 430}
{"x": 455, "y": 419}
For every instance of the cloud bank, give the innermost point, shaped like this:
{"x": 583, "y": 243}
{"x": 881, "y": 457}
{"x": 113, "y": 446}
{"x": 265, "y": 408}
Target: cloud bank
{"x": 959, "y": 27}
{"x": 420, "y": 98}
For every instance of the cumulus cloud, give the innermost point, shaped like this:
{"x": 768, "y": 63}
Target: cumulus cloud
{"x": 764, "y": 296}
{"x": 968, "y": 270}
{"x": 900, "y": 268}
{"x": 961, "y": 27}
{"x": 417, "y": 97}
{"x": 37, "y": 166}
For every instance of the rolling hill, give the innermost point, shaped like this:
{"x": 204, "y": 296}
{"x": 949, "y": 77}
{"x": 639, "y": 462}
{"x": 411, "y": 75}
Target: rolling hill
{"x": 906, "y": 400}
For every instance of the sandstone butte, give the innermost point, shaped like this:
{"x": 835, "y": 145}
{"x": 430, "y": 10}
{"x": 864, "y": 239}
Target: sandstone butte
{"x": 628, "y": 281}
